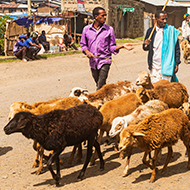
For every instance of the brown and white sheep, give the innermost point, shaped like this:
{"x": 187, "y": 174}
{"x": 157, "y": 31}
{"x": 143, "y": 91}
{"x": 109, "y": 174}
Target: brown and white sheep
{"x": 186, "y": 108}
{"x": 156, "y": 132}
{"x": 151, "y": 107}
{"x": 174, "y": 94}
{"x": 114, "y": 108}
{"x": 41, "y": 108}
{"x": 107, "y": 92}
{"x": 58, "y": 129}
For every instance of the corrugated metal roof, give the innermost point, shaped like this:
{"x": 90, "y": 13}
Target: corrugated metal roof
{"x": 9, "y": 5}
{"x": 162, "y": 3}
{"x": 52, "y": 5}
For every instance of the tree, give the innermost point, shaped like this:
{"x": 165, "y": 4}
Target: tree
{"x": 2, "y": 31}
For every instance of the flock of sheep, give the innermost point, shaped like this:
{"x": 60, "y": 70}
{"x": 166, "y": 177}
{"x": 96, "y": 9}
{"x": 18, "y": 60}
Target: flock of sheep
{"x": 150, "y": 117}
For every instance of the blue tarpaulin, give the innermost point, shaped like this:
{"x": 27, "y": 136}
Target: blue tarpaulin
{"x": 49, "y": 20}
{"x": 26, "y": 21}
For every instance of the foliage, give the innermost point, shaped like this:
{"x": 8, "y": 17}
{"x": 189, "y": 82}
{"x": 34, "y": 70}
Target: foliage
{"x": 3, "y": 30}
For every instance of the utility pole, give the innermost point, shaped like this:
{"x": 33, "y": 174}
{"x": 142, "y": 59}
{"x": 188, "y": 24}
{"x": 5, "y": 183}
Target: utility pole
{"x": 29, "y": 8}
{"x": 62, "y": 6}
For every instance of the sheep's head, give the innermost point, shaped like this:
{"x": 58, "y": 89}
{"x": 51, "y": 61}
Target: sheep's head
{"x": 117, "y": 125}
{"x": 79, "y": 92}
{"x": 185, "y": 108}
{"x": 18, "y": 123}
{"x": 143, "y": 79}
{"x": 128, "y": 139}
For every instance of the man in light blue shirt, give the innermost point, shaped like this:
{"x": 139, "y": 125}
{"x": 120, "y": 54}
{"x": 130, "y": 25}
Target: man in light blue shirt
{"x": 33, "y": 46}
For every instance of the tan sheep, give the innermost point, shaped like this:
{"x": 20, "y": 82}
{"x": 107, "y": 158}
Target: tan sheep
{"x": 174, "y": 94}
{"x": 41, "y": 108}
{"x": 156, "y": 132}
{"x": 186, "y": 50}
{"x": 119, "y": 107}
{"x": 186, "y": 108}
{"x": 106, "y": 93}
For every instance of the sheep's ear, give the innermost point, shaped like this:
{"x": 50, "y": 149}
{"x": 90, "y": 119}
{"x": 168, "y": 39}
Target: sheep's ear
{"x": 23, "y": 106}
{"x": 124, "y": 123}
{"x": 138, "y": 134}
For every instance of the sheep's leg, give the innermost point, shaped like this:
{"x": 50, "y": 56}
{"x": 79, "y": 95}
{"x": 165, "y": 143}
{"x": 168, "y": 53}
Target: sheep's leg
{"x": 144, "y": 160}
{"x": 92, "y": 162}
{"x": 188, "y": 152}
{"x": 79, "y": 154}
{"x": 156, "y": 152}
{"x": 170, "y": 152}
{"x": 127, "y": 163}
{"x": 72, "y": 154}
{"x": 97, "y": 147}
{"x": 55, "y": 156}
{"x": 36, "y": 147}
{"x": 88, "y": 156}
{"x": 41, "y": 152}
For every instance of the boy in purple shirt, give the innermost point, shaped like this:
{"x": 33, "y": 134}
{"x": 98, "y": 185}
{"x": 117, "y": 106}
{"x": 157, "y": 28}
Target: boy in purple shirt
{"x": 98, "y": 40}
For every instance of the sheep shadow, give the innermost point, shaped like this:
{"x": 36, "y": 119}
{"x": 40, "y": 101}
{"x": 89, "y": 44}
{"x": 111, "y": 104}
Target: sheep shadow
{"x": 4, "y": 150}
{"x": 91, "y": 171}
{"x": 142, "y": 166}
{"x": 171, "y": 170}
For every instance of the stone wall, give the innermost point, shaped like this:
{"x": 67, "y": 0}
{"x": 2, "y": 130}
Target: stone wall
{"x": 129, "y": 25}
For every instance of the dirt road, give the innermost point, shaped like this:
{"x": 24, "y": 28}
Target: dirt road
{"x": 54, "y": 78}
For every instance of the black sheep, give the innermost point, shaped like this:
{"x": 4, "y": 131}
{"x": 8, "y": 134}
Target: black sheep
{"x": 60, "y": 128}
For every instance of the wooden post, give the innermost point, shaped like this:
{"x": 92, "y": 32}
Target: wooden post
{"x": 29, "y": 8}
{"x": 75, "y": 27}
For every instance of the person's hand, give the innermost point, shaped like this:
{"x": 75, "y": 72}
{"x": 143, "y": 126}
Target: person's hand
{"x": 88, "y": 53}
{"x": 147, "y": 42}
{"x": 128, "y": 46}
{"x": 176, "y": 69}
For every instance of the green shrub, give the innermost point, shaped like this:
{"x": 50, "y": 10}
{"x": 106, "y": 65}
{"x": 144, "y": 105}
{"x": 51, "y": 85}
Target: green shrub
{"x": 2, "y": 31}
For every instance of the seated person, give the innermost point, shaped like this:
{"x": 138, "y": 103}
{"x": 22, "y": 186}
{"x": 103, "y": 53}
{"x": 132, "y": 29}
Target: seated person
{"x": 19, "y": 49}
{"x": 42, "y": 40}
{"x": 68, "y": 41}
{"x": 33, "y": 46}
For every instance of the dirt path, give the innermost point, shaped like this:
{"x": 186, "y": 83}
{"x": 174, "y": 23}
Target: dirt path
{"x": 54, "y": 78}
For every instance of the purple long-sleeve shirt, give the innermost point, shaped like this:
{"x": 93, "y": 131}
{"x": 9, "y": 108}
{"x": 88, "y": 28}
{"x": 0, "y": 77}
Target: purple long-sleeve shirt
{"x": 101, "y": 43}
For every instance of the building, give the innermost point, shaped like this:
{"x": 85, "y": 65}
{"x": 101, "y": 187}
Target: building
{"x": 186, "y": 3}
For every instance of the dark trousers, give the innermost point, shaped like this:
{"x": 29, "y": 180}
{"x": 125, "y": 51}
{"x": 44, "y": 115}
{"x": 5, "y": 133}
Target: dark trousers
{"x": 33, "y": 51}
{"x": 46, "y": 45}
{"x": 100, "y": 75}
{"x": 21, "y": 54}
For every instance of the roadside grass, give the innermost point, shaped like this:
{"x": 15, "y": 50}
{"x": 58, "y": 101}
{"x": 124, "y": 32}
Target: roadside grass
{"x": 124, "y": 40}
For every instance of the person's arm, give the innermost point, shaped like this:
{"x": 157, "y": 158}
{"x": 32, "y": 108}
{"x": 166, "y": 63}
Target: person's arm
{"x": 84, "y": 44}
{"x": 34, "y": 44}
{"x": 127, "y": 46}
{"x": 177, "y": 57}
{"x": 21, "y": 43}
{"x": 147, "y": 41}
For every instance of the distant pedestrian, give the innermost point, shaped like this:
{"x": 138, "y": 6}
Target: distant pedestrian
{"x": 98, "y": 43}
{"x": 19, "y": 49}
{"x": 68, "y": 42}
{"x": 33, "y": 46}
{"x": 42, "y": 40}
{"x": 185, "y": 27}
{"x": 164, "y": 50}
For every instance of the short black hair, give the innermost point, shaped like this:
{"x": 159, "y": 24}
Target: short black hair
{"x": 65, "y": 36}
{"x": 157, "y": 14}
{"x": 43, "y": 31}
{"x": 96, "y": 11}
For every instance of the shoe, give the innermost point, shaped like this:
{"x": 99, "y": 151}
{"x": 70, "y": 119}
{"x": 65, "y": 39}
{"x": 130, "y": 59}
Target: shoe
{"x": 36, "y": 57}
{"x": 25, "y": 60}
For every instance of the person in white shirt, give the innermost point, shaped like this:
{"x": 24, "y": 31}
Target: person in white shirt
{"x": 185, "y": 27}
{"x": 158, "y": 66}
